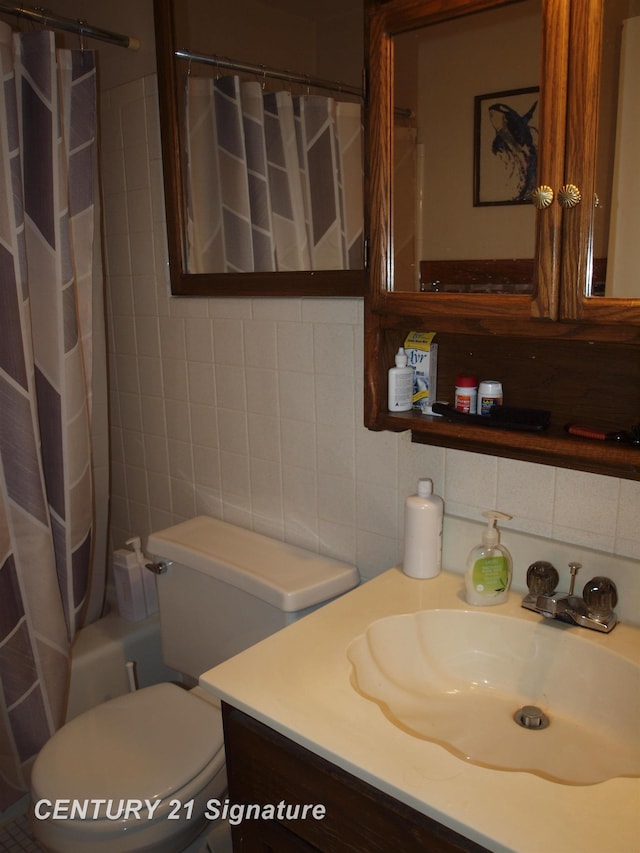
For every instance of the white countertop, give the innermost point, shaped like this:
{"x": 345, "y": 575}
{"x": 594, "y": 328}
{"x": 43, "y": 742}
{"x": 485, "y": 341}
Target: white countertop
{"x": 298, "y": 683}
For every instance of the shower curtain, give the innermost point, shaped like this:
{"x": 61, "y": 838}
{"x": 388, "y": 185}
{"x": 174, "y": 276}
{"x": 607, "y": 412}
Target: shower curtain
{"x": 275, "y": 181}
{"x": 47, "y": 267}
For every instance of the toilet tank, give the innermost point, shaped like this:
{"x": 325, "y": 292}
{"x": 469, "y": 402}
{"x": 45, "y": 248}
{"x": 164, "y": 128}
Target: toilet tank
{"x": 226, "y": 588}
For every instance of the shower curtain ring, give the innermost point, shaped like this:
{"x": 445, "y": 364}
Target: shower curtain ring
{"x": 81, "y": 24}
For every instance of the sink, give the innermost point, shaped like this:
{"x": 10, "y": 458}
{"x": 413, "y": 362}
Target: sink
{"x": 459, "y": 678}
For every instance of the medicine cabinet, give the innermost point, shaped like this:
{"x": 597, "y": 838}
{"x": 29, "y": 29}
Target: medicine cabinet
{"x": 523, "y": 285}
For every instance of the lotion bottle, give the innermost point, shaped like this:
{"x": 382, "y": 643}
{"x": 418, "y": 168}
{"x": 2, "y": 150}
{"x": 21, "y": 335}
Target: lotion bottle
{"x": 423, "y": 515}
{"x": 400, "y": 384}
{"x": 489, "y": 566}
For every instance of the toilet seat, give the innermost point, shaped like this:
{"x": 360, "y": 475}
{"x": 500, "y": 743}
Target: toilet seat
{"x": 161, "y": 743}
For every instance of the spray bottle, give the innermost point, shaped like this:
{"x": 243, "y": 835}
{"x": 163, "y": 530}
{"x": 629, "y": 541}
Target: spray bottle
{"x": 127, "y": 579}
{"x": 148, "y": 578}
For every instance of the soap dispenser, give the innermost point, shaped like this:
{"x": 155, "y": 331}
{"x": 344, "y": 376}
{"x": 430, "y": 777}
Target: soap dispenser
{"x": 489, "y": 566}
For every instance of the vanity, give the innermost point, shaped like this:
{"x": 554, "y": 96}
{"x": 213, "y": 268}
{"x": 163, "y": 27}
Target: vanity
{"x": 297, "y": 730}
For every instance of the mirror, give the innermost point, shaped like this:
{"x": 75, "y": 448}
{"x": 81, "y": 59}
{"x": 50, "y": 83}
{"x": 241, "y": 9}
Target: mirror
{"x": 217, "y": 50}
{"x": 474, "y": 239}
{"x": 617, "y": 210}
{"x": 469, "y": 146}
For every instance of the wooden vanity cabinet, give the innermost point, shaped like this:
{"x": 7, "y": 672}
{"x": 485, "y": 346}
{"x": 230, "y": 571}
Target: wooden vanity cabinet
{"x": 264, "y": 767}
{"x": 553, "y": 348}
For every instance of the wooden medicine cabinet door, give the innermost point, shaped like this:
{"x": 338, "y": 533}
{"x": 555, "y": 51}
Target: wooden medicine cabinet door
{"x": 447, "y": 239}
{"x": 435, "y": 212}
{"x": 601, "y": 252}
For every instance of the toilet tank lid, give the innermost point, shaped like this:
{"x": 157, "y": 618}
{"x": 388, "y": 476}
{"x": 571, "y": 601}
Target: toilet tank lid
{"x": 288, "y": 577}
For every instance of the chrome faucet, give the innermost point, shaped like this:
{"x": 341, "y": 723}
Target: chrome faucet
{"x": 594, "y": 609}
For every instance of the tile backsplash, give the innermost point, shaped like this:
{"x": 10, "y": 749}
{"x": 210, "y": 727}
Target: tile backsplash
{"x": 251, "y": 409}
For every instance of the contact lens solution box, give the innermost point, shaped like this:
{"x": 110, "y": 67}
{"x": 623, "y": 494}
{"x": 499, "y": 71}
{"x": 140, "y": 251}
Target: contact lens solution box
{"x": 422, "y": 355}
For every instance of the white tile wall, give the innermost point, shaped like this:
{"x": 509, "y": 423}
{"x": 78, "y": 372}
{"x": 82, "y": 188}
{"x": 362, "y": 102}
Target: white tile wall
{"x": 251, "y": 410}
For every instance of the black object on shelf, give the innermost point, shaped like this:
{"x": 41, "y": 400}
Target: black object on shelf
{"x": 501, "y": 417}
{"x": 621, "y": 436}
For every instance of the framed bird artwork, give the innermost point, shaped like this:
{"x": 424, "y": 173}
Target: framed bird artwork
{"x": 505, "y": 146}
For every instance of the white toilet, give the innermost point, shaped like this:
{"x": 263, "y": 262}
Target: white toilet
{"x": 137, "y": 772}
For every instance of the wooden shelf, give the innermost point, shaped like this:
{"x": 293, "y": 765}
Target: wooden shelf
{"x": 551, "y": 447}
{"x": 592, "y": 383}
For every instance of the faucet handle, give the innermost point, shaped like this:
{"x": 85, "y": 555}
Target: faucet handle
{"x": 542, "y": 578}
{"x": 601, "y": 596}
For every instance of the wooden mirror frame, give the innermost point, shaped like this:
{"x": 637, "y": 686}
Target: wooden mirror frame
{"x": 309, "y": 283}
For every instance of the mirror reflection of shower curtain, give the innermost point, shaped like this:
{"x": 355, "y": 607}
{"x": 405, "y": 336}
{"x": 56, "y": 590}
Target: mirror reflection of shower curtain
{"x": 274, "y": 180}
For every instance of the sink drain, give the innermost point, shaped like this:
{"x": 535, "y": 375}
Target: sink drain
{"x": 531, "y": 717}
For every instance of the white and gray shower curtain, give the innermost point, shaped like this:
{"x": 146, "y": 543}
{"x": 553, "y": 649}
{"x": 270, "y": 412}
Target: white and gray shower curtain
{"x": 47, "y": 208}
{"x": 274, "y": 181}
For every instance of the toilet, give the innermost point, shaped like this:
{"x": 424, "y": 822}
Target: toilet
{"x": 136, "y": 773}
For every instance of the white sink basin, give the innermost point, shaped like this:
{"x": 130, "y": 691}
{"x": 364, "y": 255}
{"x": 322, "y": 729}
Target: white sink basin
{"x": 457, "y": 678}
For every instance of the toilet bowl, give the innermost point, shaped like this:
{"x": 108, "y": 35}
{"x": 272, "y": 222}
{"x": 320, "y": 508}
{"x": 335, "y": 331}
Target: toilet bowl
{"x": 137, "y": 773}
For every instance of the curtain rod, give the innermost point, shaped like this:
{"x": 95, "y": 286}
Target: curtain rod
{"x": 264, "y": 71}
{"x": 46, "y": 18}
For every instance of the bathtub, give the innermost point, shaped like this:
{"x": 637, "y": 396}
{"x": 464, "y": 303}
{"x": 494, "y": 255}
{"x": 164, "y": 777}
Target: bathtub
{"x": 99, "y": 658}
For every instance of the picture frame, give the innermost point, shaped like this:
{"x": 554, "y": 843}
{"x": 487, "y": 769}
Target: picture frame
{"x": 505, "y": 146}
